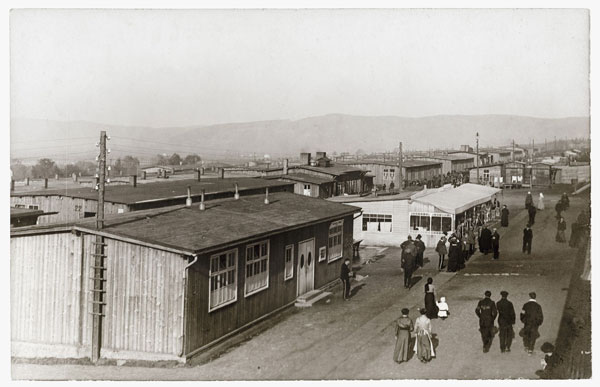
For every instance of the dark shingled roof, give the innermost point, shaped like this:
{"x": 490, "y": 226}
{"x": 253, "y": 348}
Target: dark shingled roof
{"x": 405, "y": 163}
{"x": 127, "y": 194}
{"x": 224, "y": 222}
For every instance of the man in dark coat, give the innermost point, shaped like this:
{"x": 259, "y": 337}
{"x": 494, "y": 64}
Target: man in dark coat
{"x": 496, "y": 243}
{"x": 527, "y": 239}
{"x": 559, "y": 209}
{"x": 565, "y": 201}
{"x": 504, "y": 218}
{"x": 409, "y": 260}
{"x": 506, "y": 320}
{"x": 487, "y": 312}
{"x": 420, "y": 245}
{"x": 485, "y": 244}
{"x": 532, "y": 210}
{"x": 528, "y": 200}
{"x": 532, "y": 317}
{"x": 345, "y": 277}
{"x": 454, "y": 253}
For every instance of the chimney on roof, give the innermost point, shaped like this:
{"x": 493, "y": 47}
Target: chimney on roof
{"x": 285, "y": 166}
{"x": 305, "y": 158}
{"x": 133, "y": 180}
{"x": 267, "y": 196}
{"x": 236, "y": 196}
{"x": 202, "y": 206}
{"x": 188, "y": 200}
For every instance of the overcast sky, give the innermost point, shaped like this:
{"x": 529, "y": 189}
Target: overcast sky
{"x": 175, "y": 68}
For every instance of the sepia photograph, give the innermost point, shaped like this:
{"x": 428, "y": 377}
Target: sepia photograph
{"x": 299, "y": 194}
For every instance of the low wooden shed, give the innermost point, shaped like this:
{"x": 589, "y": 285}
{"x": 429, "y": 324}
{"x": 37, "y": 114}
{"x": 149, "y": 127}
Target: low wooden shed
{"x": 177, "y": 279}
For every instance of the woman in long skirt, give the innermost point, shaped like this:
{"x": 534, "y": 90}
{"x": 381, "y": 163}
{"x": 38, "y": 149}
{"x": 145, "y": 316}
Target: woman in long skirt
{"x": 423, "y": 343}
{"x": 540, "y": 205}
{"x": 430, "y": 304}
{"x": 404, "y": 326}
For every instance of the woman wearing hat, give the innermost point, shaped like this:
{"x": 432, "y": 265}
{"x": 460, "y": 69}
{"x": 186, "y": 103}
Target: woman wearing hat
{"x": 423, "y": 343}
{"x": 404, "y": 326}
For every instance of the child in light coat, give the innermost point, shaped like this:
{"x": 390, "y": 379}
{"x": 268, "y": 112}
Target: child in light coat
{"x": 443, "y": 310}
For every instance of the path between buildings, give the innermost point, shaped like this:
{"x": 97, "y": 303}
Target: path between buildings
{"x": 355, "y": 339}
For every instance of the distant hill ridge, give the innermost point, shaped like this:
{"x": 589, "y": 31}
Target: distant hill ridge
{"x": 332, "y": 132}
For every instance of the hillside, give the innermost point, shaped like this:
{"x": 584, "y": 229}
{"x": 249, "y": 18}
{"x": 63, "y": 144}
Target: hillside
{"x": 334, "y": 132}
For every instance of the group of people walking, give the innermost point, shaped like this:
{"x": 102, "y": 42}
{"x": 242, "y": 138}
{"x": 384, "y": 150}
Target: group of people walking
{"x": 531, "y": 316}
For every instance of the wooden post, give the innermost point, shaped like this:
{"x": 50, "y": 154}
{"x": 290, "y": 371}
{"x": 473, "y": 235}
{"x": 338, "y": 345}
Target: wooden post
{"x": 26, "y": 181}
{"x": 45, "y": 182}
{"x": 198, "y": 174}
{"x": 98, "y": 267}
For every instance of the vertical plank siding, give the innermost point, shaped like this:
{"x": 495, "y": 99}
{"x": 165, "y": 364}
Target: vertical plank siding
{"x": 144, "y": 299}
{"x": 51, "y": 299}
{"x": 68, "y": 208}
{"x": 45, "y": 289}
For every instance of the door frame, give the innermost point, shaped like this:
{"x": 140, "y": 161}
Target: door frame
{"x": 298, "y": 267}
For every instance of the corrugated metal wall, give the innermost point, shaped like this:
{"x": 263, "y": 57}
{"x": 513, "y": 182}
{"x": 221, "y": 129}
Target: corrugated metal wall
{"x": 46, "y": 280}
{"x": 144, "y": 299}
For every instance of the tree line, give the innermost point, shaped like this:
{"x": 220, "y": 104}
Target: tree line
{"x": 128, "y": 165}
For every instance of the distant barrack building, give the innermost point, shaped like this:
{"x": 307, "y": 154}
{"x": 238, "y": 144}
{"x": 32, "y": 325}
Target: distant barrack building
{"x": 177, "y": 279}
{"x": 386, "y": 172}
{"x": 76, "y": 203}
{"x": 451, "y": 163}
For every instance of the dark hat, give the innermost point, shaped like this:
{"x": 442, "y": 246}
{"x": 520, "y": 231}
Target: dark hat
{"x": 547, "y": 347}
{"x": 504, "y": 293}
{"x": 405, "y": 311}
{"x": 419, "y": 236}
{"x": 423, "y": 310}
{"x": 488, "y": 293}
{"x": 409, "y": 237}
{"x": 532, "y": 295}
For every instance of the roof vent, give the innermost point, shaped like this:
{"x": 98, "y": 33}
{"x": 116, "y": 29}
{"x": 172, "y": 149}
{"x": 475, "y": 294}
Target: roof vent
{"x": 202, "y": 206}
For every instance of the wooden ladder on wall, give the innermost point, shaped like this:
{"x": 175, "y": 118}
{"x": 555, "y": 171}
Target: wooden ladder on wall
{"x": 98, "y": 289}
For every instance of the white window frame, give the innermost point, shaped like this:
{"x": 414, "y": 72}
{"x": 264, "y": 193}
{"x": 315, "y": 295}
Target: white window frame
{"x": 254, "y": 261}
{"x": 384, "y": 218}
{"x": 213, "y": 275}
{"x": 330, "y": 257}
{"x": 322, "y": 253}
{"x": 430, "y": 215}
{"x": 288, "y": 272}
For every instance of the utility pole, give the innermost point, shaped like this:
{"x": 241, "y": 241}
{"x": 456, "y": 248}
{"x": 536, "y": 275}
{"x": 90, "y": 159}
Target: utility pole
{"x": 477, "y": 139}
{"x": 400, "y": 179}
{"x": 98, "y": 268}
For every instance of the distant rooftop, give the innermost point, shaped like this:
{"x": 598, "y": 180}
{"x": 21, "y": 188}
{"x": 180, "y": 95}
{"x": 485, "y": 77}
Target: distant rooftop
{"x": 333, "y": 169}
{"x": 127, "y": 194}
{"x": 405, "y": 164}
{"x": 404, "y": 195}
{"x": 451, "y": 157}
{"x": 222, "y": 223}
{"x": 303, "y": 178}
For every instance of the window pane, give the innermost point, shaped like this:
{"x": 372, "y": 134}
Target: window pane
{"x": 263, "y": 249}
{"x": 436, "y": 223}
{"x": 414, "y": 222}
{"x": 446, "y": 223}
{"x": 222, "y": 262}
{"x": 424, "y": 222}
{"x": 249, "y": 254}
{"x": 256, "y": 251}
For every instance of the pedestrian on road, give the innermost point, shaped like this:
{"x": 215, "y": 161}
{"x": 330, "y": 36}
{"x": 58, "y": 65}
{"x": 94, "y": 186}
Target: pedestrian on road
{"x": 430, "y": 297}
{"x": 423, "y": 343}
{"x": 560, "y": 231}
{"x": 408, "y": 261}
{"x": 485, "y": 244}
{"x": 496, "y": 243}
{"x": 442, "y": 251}
{"x": 527, "y": 238}
{"x": 504, "y": 218}
{"x": 454, "y": 254}
{"x": 578, "y": 229}
{"x": 528, "y": 200}
{"x": 471, "y": 240}
{"x": 532, "y": 317}
{"x": 443, "y": 309}
{"x": 565, "y": 201}
{"x": 464, "y": 245}
{"x": 345, "y": 274}
{"x": 420, "y": 245}
{"x": 506, "y": 320}
{"x": 487, "y": 312}
{"x": 532, "y": 212}
{"x": 404, "y": 326}
{"x": 540, "y": 205}
{"x": 559, "y": 209}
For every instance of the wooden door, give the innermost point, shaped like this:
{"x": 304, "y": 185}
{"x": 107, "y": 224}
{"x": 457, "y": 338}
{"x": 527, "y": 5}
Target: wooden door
{"x": 306, "y": 266}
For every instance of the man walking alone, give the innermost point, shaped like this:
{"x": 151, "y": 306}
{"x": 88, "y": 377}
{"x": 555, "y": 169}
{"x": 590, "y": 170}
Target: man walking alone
{"x": 345, "y": 277}
{"x": 532, "y": 317}
{"x": 527, "y": 239}
{"x": 506, "y": 319}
